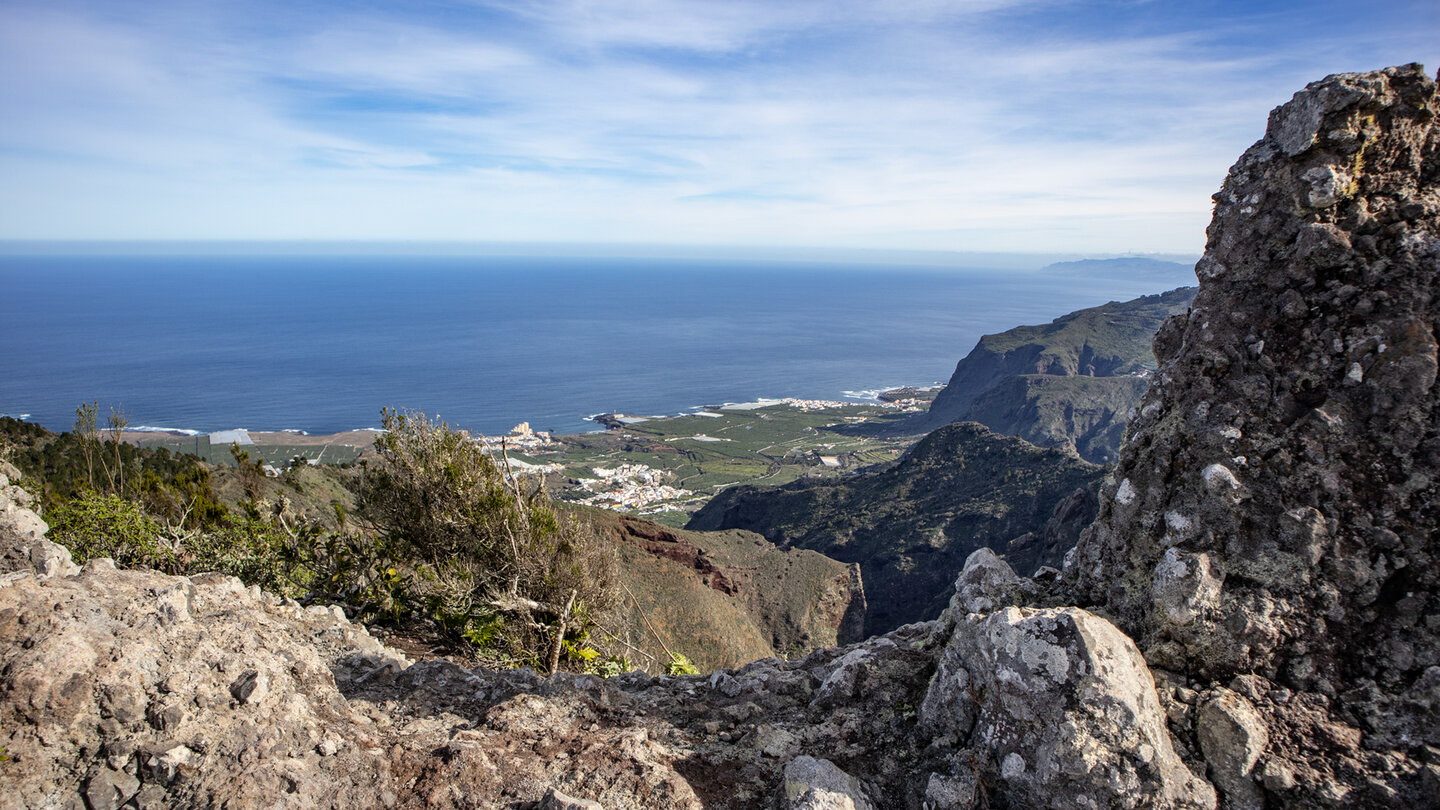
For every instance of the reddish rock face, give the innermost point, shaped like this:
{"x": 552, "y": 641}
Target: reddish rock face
{"x": 656, "y": 540}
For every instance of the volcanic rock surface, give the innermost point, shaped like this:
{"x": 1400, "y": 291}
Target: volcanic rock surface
{"x": 1270, "y": 531}
{"x": 131, "y": 688}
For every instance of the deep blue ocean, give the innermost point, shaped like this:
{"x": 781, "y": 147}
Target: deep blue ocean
{"x": 321, "y": 343}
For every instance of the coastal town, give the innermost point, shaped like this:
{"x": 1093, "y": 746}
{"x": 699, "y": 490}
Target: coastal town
{"x": 630, "y": 487}
{"x": 627, "y": 487}
{"x": 520, "y": 439}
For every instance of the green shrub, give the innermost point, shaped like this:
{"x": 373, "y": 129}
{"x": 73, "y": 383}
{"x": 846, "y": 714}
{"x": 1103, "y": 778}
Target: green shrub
{"x": 492, "y": 561}
{"x": 94, "y": 526}
{"x": 680, "y": 664}
{"x": 257, "y": 552}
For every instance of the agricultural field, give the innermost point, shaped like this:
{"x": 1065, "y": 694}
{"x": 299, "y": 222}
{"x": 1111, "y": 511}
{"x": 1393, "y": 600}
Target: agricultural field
{"x": 667, "y": 467}
{"x": 276, "y": 449}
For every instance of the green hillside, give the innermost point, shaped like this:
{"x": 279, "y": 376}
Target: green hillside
{"x": 721, "y": 599}
{"x": 728, "y": 597}
{"x": 911, "y": 525}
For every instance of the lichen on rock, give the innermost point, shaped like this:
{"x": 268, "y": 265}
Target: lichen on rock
{"x": 1065, "y": 704}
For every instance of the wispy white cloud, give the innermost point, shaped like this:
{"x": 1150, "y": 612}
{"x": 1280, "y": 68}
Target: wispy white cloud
{"x": 1006, "y": 124}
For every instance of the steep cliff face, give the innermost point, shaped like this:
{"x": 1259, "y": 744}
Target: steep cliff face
{"x": 1271, "y": 527}
{"x": 1069, "y": 383}
{"x": 1084, "y": 415}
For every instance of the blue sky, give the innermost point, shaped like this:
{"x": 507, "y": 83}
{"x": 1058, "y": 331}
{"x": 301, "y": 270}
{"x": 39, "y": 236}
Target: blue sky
{"x": 991, "y": 125}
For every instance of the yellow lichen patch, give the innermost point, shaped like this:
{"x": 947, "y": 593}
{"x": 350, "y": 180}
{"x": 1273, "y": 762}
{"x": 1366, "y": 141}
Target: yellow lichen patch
{"x": 1357, "y": 164}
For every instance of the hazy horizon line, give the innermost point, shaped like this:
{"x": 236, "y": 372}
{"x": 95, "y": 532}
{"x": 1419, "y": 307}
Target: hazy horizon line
{"x": 394, "y": 247}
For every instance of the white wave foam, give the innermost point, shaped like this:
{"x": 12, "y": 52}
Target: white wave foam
{"x": 761, "y": 402}
{"x": 873, "y": 394}
{"x": 157, "y": 429}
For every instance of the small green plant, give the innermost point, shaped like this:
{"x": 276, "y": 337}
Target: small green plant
{"x": 593, "y": 662}
{"x": 252, "y": 471}
{"x": 257, "y": 551}
{"x": 680, "y": 664}
{"x": 584, "y": 655}
{"x": 612, "y": 666}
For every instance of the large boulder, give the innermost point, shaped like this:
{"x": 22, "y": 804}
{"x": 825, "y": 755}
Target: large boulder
{"x": 1055, "y": 705}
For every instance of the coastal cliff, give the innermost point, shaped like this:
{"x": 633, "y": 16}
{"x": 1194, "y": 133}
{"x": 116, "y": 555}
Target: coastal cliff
{"x": 1070, "y": 383}
{"x": 1256, "y": 621}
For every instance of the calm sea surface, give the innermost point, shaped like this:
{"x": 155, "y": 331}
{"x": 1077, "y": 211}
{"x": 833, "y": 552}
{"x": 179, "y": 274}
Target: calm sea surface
{"x": 322, "y": 343}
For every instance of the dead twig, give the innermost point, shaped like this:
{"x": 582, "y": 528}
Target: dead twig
{"x": 560, "y": 632}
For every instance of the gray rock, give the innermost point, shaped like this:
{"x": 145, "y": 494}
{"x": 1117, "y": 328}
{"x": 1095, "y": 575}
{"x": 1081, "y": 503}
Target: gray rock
{"x": 1185, "y": 586}
{"x": 951, "y": 792}
{"x": 170, "y": 763}
{"x": 986, "y": 583}
{"x": 251, "y": 687}
{"x": 844, "y": 680}
{"x": 1280, "y": 519}
{"x": 555, "y": 800}
{"x": 23, "y": 546}
{"x": 817, "y": 784}
{"x": 1232, "y": 737}
{"x": 1065, "y": 704}
{"x": 110, "y": 789}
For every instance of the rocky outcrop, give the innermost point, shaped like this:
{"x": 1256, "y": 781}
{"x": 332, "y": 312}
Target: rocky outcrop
{"x": 22, "y": 532}
{"x": 1269, "y": 535}
{"x": 137, "y": 689}
{"x": 1065, "y": 704}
